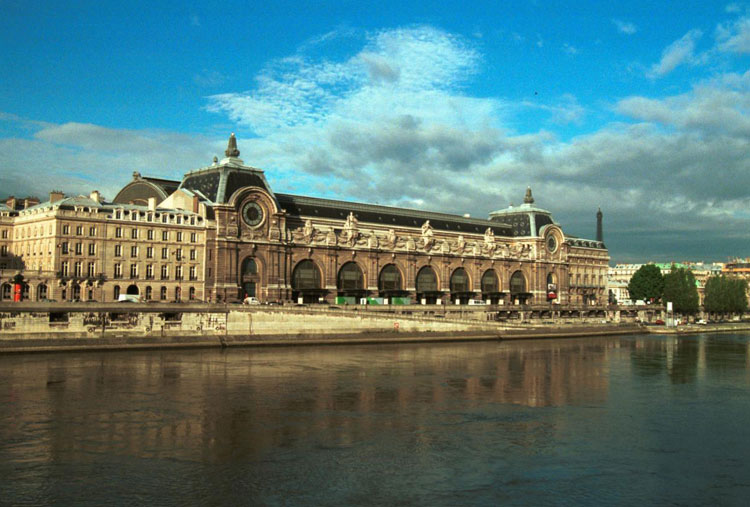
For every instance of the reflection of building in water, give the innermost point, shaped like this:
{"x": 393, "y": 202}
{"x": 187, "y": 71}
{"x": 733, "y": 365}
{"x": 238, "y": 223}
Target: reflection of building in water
{"x": 216, "y": 408}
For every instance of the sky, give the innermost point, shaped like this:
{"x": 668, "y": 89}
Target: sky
{"x": 640, "y": 108}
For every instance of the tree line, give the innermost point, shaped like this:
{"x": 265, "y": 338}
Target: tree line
{"x": 722, "y": 294}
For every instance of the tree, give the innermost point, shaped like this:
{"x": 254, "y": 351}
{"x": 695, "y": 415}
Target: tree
{"x": 725, "y": 295}
{"x": 680, "y": 289}
{"x": 647, "y": 283}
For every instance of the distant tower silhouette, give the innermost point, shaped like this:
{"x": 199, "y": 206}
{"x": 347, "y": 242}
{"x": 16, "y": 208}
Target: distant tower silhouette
{"x": 599, "y": 232}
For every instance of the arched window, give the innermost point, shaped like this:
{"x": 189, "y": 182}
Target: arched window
{"x": 517, "y": 283}
{"x": 177, "y": 294}
{"x": 390, "y": 279}
{"x": 76, "y": 292}
{"x": 116, "y": 292}
{"x": 248, "y": 278}
{"x": 25, "y": 290}
{"x": 191, "y": 293}
{"x": 6, "y": 291}
{"x": 41, "y": 292}
{"x": 551, "y": 279}
{"x": 351, "y": 277}
{"x": 163, "y": 293}
{"x": 427, "y": 280}
{"x": 490, "y": 283}
{"x": 249, "y": 267}
{"x": 460, "y": 281}
{"x": 306, "y": 276}
{"x": 148, "y": 293}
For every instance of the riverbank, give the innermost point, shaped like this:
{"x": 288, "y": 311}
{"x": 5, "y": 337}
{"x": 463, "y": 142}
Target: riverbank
{"x": 77, "y": 327}
{"x": 36, "y": 345}
{"x": 727, "y": 327}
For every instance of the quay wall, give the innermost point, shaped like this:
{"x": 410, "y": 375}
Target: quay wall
{"x": 76, "y": 326}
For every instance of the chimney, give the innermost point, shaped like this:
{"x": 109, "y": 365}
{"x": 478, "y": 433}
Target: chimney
{"x": 599, "y": 231}
{"x": 196, "y": 204}
{"x": 56, "y": 195}
{"x": 11, "y": 202}
{"x": 29, "y": 202}
{"x": 152, "y": 203}
{"x": 96, "y": 196}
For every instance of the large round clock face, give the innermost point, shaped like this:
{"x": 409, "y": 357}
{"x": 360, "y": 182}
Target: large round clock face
{"x": 252, "y": 214}
{"x": 551, "y": 244}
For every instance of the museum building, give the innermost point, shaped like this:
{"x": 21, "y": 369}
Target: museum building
{"x": 221, "y": 234}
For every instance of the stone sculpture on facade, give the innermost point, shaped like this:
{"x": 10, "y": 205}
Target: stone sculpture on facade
{"x": 350, "y": 233}
{"x": 460, "y": 244}
{"x": 390, "y": 239}
{"x": 489, "y": 241}
{"x": 307, "y": 233}
{"x": 427, "y": 239}
{"x": 331, "y": 238}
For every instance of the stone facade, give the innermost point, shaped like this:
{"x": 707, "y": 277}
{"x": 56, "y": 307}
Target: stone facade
{"x": 79, "y": 248}
{"x": 223, "y": 234}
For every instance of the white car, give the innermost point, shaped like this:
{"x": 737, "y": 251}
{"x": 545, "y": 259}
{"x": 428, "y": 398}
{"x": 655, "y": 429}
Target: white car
{"x": 250, "y": 300}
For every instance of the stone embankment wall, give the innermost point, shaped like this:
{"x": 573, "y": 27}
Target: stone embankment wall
{"x": 243, "y": 323}
{"x": 67, "y": 326}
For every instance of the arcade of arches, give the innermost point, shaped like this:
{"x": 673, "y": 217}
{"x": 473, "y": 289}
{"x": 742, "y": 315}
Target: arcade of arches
{"x": 307, "y": 284}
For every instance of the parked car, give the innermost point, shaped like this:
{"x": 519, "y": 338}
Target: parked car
{"x": 250, "y": 300}
{"x": 659, "y": 322}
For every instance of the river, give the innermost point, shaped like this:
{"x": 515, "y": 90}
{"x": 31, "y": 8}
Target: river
{"x": 597, "y": 421}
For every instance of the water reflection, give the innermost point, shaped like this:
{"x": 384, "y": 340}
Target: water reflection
{"x": 272, "y": 417}
{"x": 220, "y": 406}
{"x": 684, "y": 359}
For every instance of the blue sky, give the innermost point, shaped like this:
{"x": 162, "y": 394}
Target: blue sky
{"x": 640, "y": 108}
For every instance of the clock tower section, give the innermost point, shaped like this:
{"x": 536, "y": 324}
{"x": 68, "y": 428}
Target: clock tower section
{"x": 248, "y": 252}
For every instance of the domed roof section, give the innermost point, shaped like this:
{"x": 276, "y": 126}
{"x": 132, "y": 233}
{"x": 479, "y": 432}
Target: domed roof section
{"x": 526, "y": 219}
{"x": 220, "y": 180}
{"x": 141, "y": 188}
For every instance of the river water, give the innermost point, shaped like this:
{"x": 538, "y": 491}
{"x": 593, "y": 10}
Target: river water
{"x": 598, "y": 421}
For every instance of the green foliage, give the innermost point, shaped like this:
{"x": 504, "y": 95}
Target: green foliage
{"x": 646, "y": 283}
{"x": 680, "y": 289}
{"x": 725, "y": 295}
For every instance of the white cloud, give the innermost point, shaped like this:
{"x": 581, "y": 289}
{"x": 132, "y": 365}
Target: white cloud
{"x": 679, "y": 52}
{"x": 566, "y": 110}
{"x": 625, "y": 27}
{"x": 720, "y": 106}
{"x": 734, "y": 37}
{"x": 79, "y": 157}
